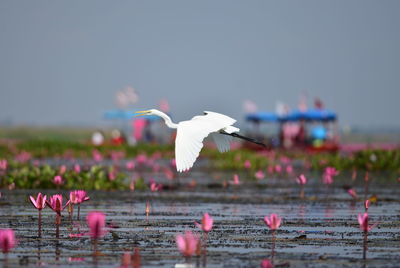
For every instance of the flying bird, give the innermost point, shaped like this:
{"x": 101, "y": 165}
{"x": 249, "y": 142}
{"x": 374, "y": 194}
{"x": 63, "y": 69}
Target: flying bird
{"x": 191, "y": 133}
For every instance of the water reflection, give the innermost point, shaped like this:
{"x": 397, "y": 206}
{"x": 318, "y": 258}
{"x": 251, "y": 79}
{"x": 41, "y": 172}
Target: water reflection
{"x": 58, "y": 251}
{"x": 301, "y": 212}
{"x": 39, "y": 250}
{"x": 5, "y": 263}
{"x": 273, "y": 246}
{"x": 95, "y": 252}
{"x": 204, "y": 249}
{"x": 365, "y": 247}
{"x": 40, "y": 224}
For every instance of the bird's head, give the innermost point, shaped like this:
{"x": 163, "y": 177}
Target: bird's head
{"x": 147, "y": 112}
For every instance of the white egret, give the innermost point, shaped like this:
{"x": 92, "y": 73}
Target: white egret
{"x": 191, "y": 133}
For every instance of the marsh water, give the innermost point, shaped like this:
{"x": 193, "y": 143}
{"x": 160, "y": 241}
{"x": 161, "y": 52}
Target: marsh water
{"x": 319, "y": 229}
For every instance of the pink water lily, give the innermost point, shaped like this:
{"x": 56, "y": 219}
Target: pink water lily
{"x": 58, "y": 180}
{"x": 366, "y": 204}
{"x": 266, "y": 263}
{"x": 131, "y": 259}
{"x": 62, "y": 169}
{"x": 173, "y": 163}
{"x": 97, "y": 156}
{"x": 301, "y": 179}
{"x": 141, "y": 159}
{"x": 96, "y": 222}
{"x": 278, "y": 168}
{"x": 154, "y": 186}
{"x": 247, "y": 164}
{"x": 206, "y": 223}
{"x": 187, "y": 243}
{"x": 352, "y": 193}
{"x": 3, "y": 164}
{"x": 328, "y": 175}
{"x": 363, "y": 221}
{"x": 56, "y": 203}
{"x": 77, "y": 168}
{"x": 273, "y": 221}
{"x": 7, "y": 240}
{"x": 259, "y": 175}
{"x": 289, "y": 169}
{"x": 327, "y": 179}
{"x": 236, "y": 180}
{"x": 112, "y": 175}
{"x": 331, "y": 171}
{"x": 40, "y": 202}
{"x": 78, "y": 196}
{"x": 130, "y": 165}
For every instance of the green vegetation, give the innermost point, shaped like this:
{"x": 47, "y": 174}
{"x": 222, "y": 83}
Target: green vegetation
{"x": 42, "y": 148}
{"x": 25, "y": 173}
{"x": 25, "y": 176}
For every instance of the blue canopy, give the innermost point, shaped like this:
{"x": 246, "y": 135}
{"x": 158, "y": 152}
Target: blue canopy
{"x": 262, "y": 116}
{"x": 310, "y": 115}
{"x": 296, "y": 115}
{"x": 127, "y": 115}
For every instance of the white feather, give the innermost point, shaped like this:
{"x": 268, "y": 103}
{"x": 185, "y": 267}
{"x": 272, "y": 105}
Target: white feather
{"x": 223, "y": 142}
{"x": 191, "y": 133}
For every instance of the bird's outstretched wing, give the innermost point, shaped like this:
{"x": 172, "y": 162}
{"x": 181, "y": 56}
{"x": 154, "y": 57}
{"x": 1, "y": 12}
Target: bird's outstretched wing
{"x": 223, "y": 142}
{"x": 191, "y": 133}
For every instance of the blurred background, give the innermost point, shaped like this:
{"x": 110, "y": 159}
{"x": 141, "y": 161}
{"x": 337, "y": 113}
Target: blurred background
{"x": 67, "y": 67}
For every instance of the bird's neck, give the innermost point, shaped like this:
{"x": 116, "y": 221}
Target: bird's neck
{"x": 167, "y": 120}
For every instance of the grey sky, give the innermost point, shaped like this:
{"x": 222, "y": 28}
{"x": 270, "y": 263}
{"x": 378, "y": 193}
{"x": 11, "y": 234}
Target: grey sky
{"x": 63, "y": 61}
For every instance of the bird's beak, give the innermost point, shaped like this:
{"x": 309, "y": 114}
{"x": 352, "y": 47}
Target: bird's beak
{"x": 140, "y": 113}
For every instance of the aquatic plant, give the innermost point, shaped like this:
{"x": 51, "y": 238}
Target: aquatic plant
{"x": 56, "y": 204}
{"x": 7, "y": 240}
{"x": 131, "y": 259}
{"x": 96, "y": 221}
{"x": 62, "y": 169}
{"x": 266, "y": 263}
{"x": 328, "y": 175}
{"x": 77, "y": 197}
{"x": 206, "y": 223}
{"x": 236, "y": 180}
{"x": 352, "y": 193}
{"x": 130, "y": 165}
{"x": 39, "y": 203}
{"x": 366, "y": 205}
{"x": 26, "y": 176}
{"x": 259, "y": 175}
{"x": 301, "y": 180}
{"x": 187, "y": 243}
{"x": 3, "y": 164}
{"x": 364, "y": 224}
{"x": 273, "y": 221}
{"x": 77, "y": 168}
{"x": 365, "y": 227}
{"x": 154, "y": 186}
{"x": 247, "y": 164}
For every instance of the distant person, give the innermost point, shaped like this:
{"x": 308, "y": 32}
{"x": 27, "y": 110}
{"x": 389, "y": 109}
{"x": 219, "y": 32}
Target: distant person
{"x": 318, "y": 104}
{"x": 290, "y": 131}
{"x": 117, "y": 138}
{"x": 300, "y": 138}
{"x": 97, "y": 138}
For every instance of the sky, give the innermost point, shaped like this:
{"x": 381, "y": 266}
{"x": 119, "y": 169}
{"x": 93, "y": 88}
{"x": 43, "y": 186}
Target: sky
{"x": 62, "y": 62}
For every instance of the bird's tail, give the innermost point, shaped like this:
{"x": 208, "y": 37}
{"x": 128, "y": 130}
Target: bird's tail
{"x": 243, "y": 138}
